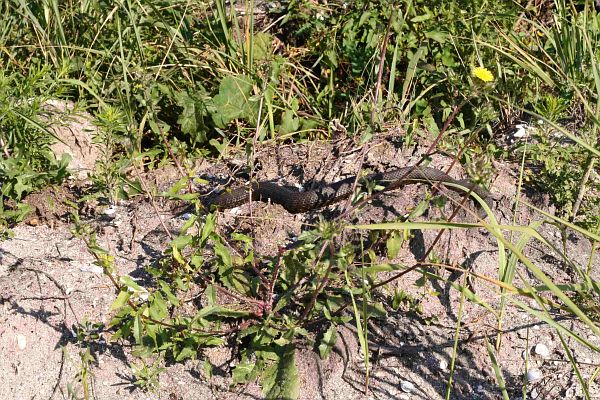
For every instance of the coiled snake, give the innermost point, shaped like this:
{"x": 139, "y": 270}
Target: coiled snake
{"x": 297, "y": 202}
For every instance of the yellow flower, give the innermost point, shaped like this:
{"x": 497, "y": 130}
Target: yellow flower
{"x": 483, "y": 73}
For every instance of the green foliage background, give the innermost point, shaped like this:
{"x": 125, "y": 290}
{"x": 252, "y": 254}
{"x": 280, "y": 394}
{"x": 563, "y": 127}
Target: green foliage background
{"x": 184, "y": 79}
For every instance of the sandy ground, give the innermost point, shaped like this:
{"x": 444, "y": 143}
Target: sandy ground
{"x": 49, "y": 286}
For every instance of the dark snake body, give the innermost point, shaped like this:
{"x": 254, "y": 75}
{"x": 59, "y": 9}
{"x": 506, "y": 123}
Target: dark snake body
{"x": 297, "y": 202}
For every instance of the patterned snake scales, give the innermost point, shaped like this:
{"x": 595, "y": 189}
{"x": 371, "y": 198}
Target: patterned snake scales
{"x": 297, "y": 202}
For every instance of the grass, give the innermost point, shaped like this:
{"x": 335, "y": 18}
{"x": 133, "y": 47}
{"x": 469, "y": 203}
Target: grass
{"x": 170, "y": 81}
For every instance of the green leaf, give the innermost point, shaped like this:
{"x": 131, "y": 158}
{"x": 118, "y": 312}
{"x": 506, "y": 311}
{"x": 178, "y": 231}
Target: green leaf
{"x": 448, "y": 58}
{"x": 188, "y": 351}
{"x": 208, "y": 227}
{"x": 211, "y": 295}
{"x": 233, "y": 100}
{"x": 131, "y": 284}
{"x": 438, "y": 36}
{"x": 20, "y": 187}
{"x": 235, "y": 279}
{"x": 374, "y": 309}
{"x": 419, "y": 209}
{"x": 192, "y": 117}
{"x": 431, "y": 125}
{"x": 243, "y": 372}
{"x": 167, "y": 291}
{"x": 328, "y": 341}
{"x": 178, "y": 186}
{"x": 393, "y": 244}
{"x": 223, "y": 254}
{"x": 158, "y": 308}
{"x": 152, "y": 330}
{"x": 177, "y": 255}
{"x": 289, "y": 122}
{"x": 282, "y": 341}
{"x": 497, "y": 370}
{"x": 280, "y": 380}
{"x": 334, "y": 303}
{"x": 181, "y": 241}
{"x": 121, "y": 299}
{"x": 422, "y": 18}
{"x": 283, "y": 301}
{"x": 261, "y": 46}
{"x": 137, "y": 329}
{"x": 207, "y": 368}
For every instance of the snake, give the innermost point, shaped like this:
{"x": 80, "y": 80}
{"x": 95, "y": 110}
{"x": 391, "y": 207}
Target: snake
{"x": 295, "y": 201}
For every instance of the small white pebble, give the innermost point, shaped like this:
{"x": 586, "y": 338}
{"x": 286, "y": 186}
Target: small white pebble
{"x": 521, "y": 131}
{"x": 407, "y": 386}
{"x": 110, "y": 210}
{"x": 443, "y": 364}
{"x": 533, "y": 375}
{"x": 534, "y": 393}
{"x": 186, "y": 216}
{"x": 21, "y": 341}
{"x": 541, "y": 350}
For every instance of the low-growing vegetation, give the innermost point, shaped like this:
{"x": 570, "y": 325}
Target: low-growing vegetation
{"x": 172, "y": 81}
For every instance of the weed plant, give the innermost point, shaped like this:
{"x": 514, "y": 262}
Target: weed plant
{"x": 172, "y": 80}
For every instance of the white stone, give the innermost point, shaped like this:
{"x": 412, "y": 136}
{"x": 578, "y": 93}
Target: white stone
{"x": 534, "y": 375}
{"x": 21, "y": 341}
{"x": 521, "y": 130}
{"x": 407, "y": 386}
{"x": 110, "y": 210}
{"x": 443, "y": 364}
{"x": 541, "y": 350}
